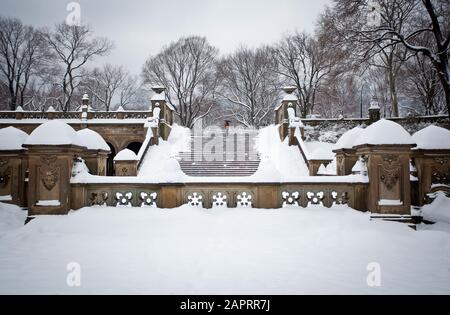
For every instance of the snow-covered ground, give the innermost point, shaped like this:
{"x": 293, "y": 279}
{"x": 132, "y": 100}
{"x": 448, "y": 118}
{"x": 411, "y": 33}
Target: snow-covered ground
{"x": 228, "y": 251}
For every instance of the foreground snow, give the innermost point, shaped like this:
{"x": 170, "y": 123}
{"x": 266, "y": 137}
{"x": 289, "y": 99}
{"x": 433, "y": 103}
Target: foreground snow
{"x": 230, "y": 251}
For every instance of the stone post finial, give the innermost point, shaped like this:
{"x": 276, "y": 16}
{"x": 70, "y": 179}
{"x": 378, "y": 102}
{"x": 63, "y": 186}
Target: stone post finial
{"x": 374, "y": 110}
{"x": 85, "y": 100}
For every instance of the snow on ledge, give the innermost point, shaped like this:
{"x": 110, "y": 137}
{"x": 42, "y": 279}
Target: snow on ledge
{"x": 48, "y": 203}
{"x": 6, "y": 198}
{"x": 387, "y": 202}
{"x": 94, "y": 179}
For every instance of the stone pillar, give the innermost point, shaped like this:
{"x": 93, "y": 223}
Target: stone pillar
{"x": 50, "y": 169}
{"x": 282, "y": 115}
{"x": 84, "y": 110}
{"x": 433, "y": 171}
{"x": 19, "y": 112}
{"x": 166, "y": 113}
{"x": 374, "y": 111}
{"x": 51, "y": 113}
{"x": 96, "y": 161}
{"x": 389, "y": 178}
{"x": 13, "y": 166}
{"x": 345, "y": 160}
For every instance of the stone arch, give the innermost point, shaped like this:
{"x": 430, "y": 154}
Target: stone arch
{"x": 110, "y": 160}
{"x": 134, "y": 146}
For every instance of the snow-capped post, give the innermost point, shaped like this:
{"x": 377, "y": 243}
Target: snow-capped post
{"x": 19, "y": 112}
{"x": 374, "y": 110}
{"x": 432, "y": 161}
{"x": 120, "y": 112}
{"x": 317, "y": 159}
{"x": 153, "y": 123}
{"x": 13, "y": 165}
{"x": 386, "y": 147}
{"x": 84, "y": 110}
{"x": 51, "y": 150}
{"x": 125, "y": 163}
{"x": 286, "y": 118}
{"x": 50, "y": 112}
{"x": 345, "y": 153}
{"x": 166, "y": 111}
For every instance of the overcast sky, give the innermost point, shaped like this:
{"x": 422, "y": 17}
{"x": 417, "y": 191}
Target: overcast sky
{"x": 140, "y": 28}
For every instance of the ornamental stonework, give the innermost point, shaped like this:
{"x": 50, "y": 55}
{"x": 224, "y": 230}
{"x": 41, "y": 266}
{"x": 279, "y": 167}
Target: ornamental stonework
{"x": 49, "y": 172}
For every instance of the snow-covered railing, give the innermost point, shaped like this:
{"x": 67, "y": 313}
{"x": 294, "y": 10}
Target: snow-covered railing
{"x": 20, "y": 115}
{"x": 138, "y": 193}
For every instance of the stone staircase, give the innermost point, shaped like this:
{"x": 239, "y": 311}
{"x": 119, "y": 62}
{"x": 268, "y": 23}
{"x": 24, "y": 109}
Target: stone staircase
{"x": 238, "y": 161}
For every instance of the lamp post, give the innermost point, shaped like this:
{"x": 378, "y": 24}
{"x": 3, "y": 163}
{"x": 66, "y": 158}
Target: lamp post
{"x": 361, "y": 104}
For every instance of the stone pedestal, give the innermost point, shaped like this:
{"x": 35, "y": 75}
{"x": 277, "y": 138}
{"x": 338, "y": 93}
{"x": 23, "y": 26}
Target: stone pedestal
{"x": 433, "y": 171}
{"x": 50, "y": 169}
{"x": 13, "y": 166}
{"x": 389, "y": 178}
{"x": 126, "y": 167}
{"x": 166, "y": 113}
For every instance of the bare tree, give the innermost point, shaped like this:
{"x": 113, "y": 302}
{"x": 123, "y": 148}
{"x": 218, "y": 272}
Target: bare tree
{"x": 248, "y": 85}
{"x": 304, "y": 62}
{"x": 418, "y": 17}
{"x": 186, "y": 69}
{"x": 421, "y": 83}
{"x": 22, "y": 51}
{"x": 109, "y": 82}
{"x": 74, "y": 47}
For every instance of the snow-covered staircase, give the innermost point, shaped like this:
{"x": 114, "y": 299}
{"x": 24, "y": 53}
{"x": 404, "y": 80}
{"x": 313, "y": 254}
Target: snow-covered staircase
{"x": 236, "y": 162}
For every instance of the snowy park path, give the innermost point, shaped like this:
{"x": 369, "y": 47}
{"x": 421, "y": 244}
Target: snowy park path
{"x": 229, "y": 251}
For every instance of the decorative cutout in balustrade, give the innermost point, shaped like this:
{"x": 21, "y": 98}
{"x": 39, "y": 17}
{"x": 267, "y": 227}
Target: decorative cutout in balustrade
{"x": 309, "y": 197}
{"x": 290, "y": 199}
{"x": 148, "y": 199}
{"x": 315, "y": 198}
{"x": 195, "y": 200}
{"x": 124, "y": 199}
{"x": 244, "y": 200}
{"x": 219, "y": 200}
{"x": 340, "y": 198}
{"x": 99, "y": 199}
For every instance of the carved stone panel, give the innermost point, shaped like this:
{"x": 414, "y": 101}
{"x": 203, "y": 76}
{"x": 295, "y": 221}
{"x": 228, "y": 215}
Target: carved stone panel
{"x": 390, "y": 178}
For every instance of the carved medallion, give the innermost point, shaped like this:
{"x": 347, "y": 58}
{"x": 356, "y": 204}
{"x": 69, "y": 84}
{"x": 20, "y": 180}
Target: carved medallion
{"x": 390, "y": 176}
{"x": 49, "y": 172}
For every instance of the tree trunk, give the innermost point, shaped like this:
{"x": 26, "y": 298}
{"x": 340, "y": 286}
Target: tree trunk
{"x": 393, "y": 91}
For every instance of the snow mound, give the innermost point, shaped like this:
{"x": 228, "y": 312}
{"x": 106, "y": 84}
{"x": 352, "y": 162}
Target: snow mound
{"x": 279, "y": 161}
{"x": 12, "y": 138}
{"x": 347, "y": 140}
{"x": 384, "y": 132}
{"x": 160, "y": 162}
{"x": 432, "y": 138}
{"x": 54, "y": 133}
{"x": 11, "y": 217}
{"x": 438, "y": 210}
{"x": 125, "y": 155}
{"x": 92, "y": 140}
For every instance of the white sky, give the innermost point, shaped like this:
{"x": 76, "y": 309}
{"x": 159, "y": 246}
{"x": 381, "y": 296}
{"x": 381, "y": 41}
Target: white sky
{"x": 140, "y": 28}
